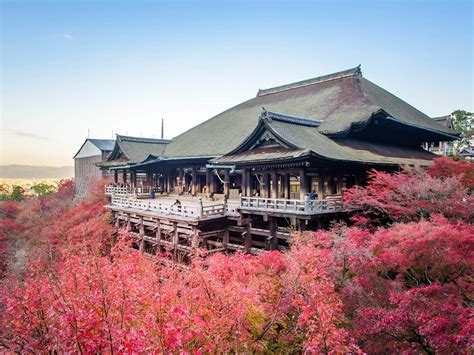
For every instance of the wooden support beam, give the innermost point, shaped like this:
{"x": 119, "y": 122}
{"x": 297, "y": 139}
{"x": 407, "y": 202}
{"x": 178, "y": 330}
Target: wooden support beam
{"x": 129, "y": 224}
{"x": 247, "y": 235}
{"x": 175, "y": 237}
{"x": 141, "y": 231}
{"x": 117, "y": 220}
{"x": 158, "y": 232}
{"x": 195, "y": 238}
{"x": 141, "y": 226}
{"x": 225, "y": 239}
{"x": 273, "y": 245}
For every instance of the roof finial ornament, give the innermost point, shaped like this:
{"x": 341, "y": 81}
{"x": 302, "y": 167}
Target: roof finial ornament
{"x": 358, "y": 70}
{"x": 264, "y": 115}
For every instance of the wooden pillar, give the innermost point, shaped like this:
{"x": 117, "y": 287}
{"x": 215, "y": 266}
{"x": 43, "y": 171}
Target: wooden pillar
{"x": 198, "y": 183}
{"x": 274, "y": 192}
{"x": 141, "y": 231}
{"x": 168, "y": 181}
{"x": 212, "y": 187}
{"x": 194, "y": 181}
{"x": 301, "y": 225}
{"x": 273, "y": 245}
{"x": 321, "y": 185}
{"x": 175, "y": 237}
{"x": 225, "y": 239}
{"x": 133, "y": 177}
{"x": 286, "y": 186}
{"x": 124, "y": 176}
{"x": 117, "y": 220}
{"x": 248, "y": 183}
{"x": 181, "y": 183}
{"x": 158, "y": 235}
{"x": 247, "y": 235}
{"x": 303, "y": 184}
{"x": 244, "y": 182}
{"x": 226, "y": 182}
{"x": 116, "y": 176}
{"x": 266, "y": 185}
{"x": 208, "y": 180}
{"x": 195, "y": 238}
{"x": 129, "y": 224}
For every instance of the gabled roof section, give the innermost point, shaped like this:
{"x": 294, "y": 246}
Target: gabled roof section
{"x": 446, "y": 121}
{"x": 320, "y": 79}
{"x": 104, "y": 145}
{"x": 336, "y": 100}
{"x": 299, "y": 140}
{"x": 132, "y": 150}
{"x": 121, "y": 138}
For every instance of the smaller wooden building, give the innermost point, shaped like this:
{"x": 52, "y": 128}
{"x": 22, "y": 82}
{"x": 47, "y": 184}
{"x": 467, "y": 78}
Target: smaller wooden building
{"x": 92, "y": 151}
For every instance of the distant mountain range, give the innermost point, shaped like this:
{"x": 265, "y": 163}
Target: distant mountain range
{"x": 32, "y": 172}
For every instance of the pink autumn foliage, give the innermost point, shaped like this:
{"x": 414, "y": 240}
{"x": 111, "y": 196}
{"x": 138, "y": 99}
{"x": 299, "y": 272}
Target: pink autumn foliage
{"x": 412, "y": 195}
{"x": 402, "y": 287}
{"x": 408, "y": 287}
{"x": 122, "y": 301}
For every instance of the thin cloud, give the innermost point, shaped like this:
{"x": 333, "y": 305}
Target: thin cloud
{"x": 66, "y": 36}
{"x": 26, "y": 134}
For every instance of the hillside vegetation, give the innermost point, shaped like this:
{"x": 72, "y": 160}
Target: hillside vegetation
{"x": 399, "y": 279}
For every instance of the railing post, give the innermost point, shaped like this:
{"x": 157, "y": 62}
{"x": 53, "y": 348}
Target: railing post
{"x": 306, "y": 204}
{"x": 200, "y": 208}
{"x": 225, "y": 204}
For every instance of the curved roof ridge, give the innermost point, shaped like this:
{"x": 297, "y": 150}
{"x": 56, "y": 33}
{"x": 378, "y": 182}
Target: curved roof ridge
{"x": 269, "y": 115}
{"x": 341, "y": 74}
{"x": 122, "y": 138}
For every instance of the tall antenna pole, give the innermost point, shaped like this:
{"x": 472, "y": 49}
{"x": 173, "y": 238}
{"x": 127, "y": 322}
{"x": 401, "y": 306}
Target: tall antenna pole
{"x": 88, "y": 133}
{"x": 162, "y": 128}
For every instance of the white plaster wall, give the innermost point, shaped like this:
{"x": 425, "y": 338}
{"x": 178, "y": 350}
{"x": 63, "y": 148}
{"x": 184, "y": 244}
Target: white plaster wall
{"x": 88, "y": 150}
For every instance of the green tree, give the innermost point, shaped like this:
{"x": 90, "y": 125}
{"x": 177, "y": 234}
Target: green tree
{"x": 462, "y": 122}
{"x": 42, "y": 189}
{"x": 18, "y": 193}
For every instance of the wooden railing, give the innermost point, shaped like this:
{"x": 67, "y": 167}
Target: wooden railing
{"x": 333, "y": 203}
{"x": 194, "y": 211}
{"x": 118, "y": 190}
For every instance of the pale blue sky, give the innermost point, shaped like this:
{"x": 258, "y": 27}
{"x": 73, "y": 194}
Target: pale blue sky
{"x": 120, "y": 66}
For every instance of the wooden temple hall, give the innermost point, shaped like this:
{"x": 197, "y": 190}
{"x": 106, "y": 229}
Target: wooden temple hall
{"x": 279, "y": 162}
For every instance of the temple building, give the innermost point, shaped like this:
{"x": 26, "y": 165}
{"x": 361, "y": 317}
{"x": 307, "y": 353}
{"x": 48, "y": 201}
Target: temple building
{"x": 91, "y": 152}
{"x": 280, "y": 161}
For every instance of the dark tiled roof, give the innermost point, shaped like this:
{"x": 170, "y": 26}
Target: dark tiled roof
{"x": 106, "y": 145}
{"x": 142, "y": 140}
{"x": 136, "y": 149}
{"x": 308, "y": 140}
{"x": 319, "y": 79}
{"x": 268, "y": 115}
{"x": 446, "y": 121}
{"x": 337, "y": 101}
